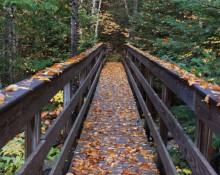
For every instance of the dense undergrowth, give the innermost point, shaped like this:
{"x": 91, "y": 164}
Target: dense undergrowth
{"x": 12, "y": 155}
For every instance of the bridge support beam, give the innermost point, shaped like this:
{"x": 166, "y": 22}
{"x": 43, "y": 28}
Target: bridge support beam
{"x": 167, "y": 97}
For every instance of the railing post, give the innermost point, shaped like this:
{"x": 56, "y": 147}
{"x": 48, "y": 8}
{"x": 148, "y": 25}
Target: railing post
{"x": 81, "y": 79}
{"x": 167, "y": 99}
{"x": 88, "y": 71}
{"x": 203, "y": 138}
{"x": 32, "y": 136}
{"x": 66, "y": 98}
{"x": 144, "y": 96}
{"x": 148, "y": 102}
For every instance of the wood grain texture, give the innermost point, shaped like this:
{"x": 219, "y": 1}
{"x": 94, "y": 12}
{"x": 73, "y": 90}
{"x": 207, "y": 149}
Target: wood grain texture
{"x": 35, "y": 160}
{"x": 18, "y": 111}
{"x": 198, "y": 163}
{"x": 57, "y": 169}
{"x": 161, "y": 148}
{"x": 191, "y": 95}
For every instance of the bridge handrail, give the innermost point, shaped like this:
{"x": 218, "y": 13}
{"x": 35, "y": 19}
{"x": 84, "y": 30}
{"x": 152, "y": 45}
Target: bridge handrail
{"x": 207, "y": 116}
{"x": 22, "y": 109}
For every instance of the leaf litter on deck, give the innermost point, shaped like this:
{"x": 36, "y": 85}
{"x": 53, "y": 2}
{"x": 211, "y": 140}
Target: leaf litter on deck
{"x": 113, "y": 140}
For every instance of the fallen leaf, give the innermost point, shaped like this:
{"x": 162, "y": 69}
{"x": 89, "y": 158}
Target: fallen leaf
{"x": 43, "y": 79}
{"x": 144, "y": 166}
{"x": 44, "y": 114}
{"x": 165, "y": 40}
{"x": 11, "y": 88}
{"x": 111, "y": 153}
{"x": 206, "y": 99}
{"x": 47, "y": 122}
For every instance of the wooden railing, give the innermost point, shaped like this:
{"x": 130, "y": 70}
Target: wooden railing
{"x": 138, "y": 64}
{"x": 23, "y": 109}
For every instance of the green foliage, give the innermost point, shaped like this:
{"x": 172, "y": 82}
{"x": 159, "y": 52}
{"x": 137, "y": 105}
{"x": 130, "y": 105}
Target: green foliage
{"x": 183, "y": 31}
{"x": 114, "y": 56}
{"x": 54, "y": 153}
{"x": 186, "y": 118}
{"x": 12, "y": 155}
{"x": 178, "y": 160}
{"x": 36, "y": 34}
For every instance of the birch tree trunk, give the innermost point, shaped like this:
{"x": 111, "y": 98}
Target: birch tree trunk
{"x": 74, "y": 27}
{"x": 97, "y": 22}
{"x": 126, "y": 8}
{"x": 80, "y": 29}
{"x": 93, "y": 6}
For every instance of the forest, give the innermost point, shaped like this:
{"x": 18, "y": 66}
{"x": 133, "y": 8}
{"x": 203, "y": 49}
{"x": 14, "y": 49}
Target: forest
{"x": 35, "y": 34}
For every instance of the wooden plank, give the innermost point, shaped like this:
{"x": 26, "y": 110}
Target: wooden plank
{"x": 167, "y": 99}
{"x": 161, "y": 148}
{"x": 181, "y": 88}
{"x": 197, "y": 162}
{"x": 18, "y": 111}
{"x": 32, "y": 134}
{"x": 203, "y": 139}
{"x": 150, "y": 106}
{"x": 37, "y": 157}
{"x": 66, "y": 99}
{"x": 57, "y": 169}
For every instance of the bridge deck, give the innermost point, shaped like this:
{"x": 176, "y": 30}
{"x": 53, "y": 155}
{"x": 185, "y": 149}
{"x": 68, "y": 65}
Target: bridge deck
{"x": 113, "y": 140}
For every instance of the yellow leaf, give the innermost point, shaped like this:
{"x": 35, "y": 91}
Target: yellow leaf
{"x": 43, "y": 79}
{"x": 111, "y": 153}
{"x": 186, "y": 171}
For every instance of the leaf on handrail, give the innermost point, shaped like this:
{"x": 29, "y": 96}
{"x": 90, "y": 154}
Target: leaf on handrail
{"x": 41, "y": 78}
{"x": 11, "y": 88}
{"x": 14, "y": 87}
{"x": 2, "y": 98}
{"x": 215, "y": 87}
{"x": 206, "y": 99}
{"x": 26, "y": 83}
{"x": 54, "y": 70}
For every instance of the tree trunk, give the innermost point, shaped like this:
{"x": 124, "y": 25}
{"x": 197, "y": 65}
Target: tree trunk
{"x": 93, "y": 6}
{"x": 80, "y": 29}
{"x": 135, "y": 6}
{"x": 126, "y": 8}
{"x": 97, "y": 22}
{"x": 9, "y": 53}
{"x": 74, "y": 27}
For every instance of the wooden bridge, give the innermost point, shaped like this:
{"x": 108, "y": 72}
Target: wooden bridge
{"x": 112, "y": 140}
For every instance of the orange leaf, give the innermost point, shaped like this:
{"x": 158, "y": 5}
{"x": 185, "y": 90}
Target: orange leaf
{"x": 216, "y": 87}
{"x": 166, "y": 41}
{"x": 206, "y": 99}
{"x": 144, "y": 166}
{"x": 44, "y": 114}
